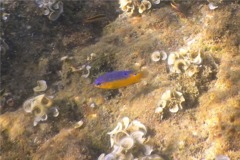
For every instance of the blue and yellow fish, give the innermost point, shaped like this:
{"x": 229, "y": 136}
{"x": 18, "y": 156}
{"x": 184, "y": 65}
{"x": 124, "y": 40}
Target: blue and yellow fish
{"x": 117, "y": 79}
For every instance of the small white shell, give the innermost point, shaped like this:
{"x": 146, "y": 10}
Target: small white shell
{"x": 110, "y": 156}
{"x": 44, "y": 117}
{"x": 125, "y": 122}
{"x": 156, "y": 1}
{"x": 155, "y": 56}
{"x": 163, "y": 55}
{"x": 37, "y": 119}
{"x": 180, "y": 65}
{"x": 166, "y": 95}
{"x": 197, "y": 60}
{"x": 137, "y": 125}
{"x": 126, "y": 143}
{"x": 78, "y": 124}
{"x": 27, "y": 105}
{"x": 42, "y": 86}
{"x": 159, "y": 110}
{"x": 212, "y": 6}
{"x": 145, "y": 5}
{"x": 43, "y": 101}
{"x": 174, "y": 109}
{"x": 88, "y": 71}
{"x": 101, "y": 157}
{"x": 117, "y": 129}
{"x": 65, "y": 58}
{"x": 54, "y": 15}
{"x": 117, "y": 149}
{"x": 55, "y": 111}
{"x": 138, "y": 136}
{"x": 147, "y": 150}
{"x": 171, "y": 59}
{"x": 158, "y": 55}
{"x": 222, "y": 157}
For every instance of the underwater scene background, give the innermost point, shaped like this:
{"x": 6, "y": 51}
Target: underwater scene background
{"x": 127, "y": 79}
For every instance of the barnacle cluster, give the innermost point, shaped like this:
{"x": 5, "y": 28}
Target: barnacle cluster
{"x": 128, "y": 140}
{"x": 51, "y": 8}
{"x": 130, "y": 6}
{"x": 184, "y": 62}
{"x": 158, "y": 55}
{"x": 171, "y": 100}
{"x": 40, "y": 105}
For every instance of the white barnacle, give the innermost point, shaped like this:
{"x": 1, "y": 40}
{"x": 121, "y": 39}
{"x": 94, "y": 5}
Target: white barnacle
{"x": 28, "y": 105}
{"x": 145, "y": 5}
{"x": 41, "y": 86}
{"x": 171, "y": 59}
{"x": 159, "y": 110}
{"x": 57, "y": 10}
{"x": 137, "y": 125}
{"x": 180, "y": 65}
{"x": 126, "y": 143}
{"x": 37, "y": 119}
{"x": 43, "y": 100}
{"x": 174, "y": 109}
{"x": 148, "y": 150}
{"x": 198, "y": 59}
{"x": 55, "y": 111}
{"x": 125, "y": 122}
{"x": 192, "y": 70}
{"x": 117, "y": 129}
{"x": 156, "y": 1}
{"x": 78, "y": 124}
{"x": 212, "y": 6}
{"x": 88, "y": 71}
{"x": 138, "y": 136}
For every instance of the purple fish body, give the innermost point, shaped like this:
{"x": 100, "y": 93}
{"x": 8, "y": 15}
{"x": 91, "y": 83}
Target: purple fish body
{"x": 112, "y": 76}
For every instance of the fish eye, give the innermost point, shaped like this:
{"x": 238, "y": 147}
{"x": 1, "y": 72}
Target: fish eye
{"x": 98, "y": 83}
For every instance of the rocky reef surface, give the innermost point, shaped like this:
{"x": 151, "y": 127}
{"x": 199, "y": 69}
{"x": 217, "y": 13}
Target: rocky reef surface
{"x": 187, "y": 105}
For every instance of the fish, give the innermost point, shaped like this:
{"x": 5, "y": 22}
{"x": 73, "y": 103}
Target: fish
{"x": 95, "y": 18}
{"x": 117, "y": 79}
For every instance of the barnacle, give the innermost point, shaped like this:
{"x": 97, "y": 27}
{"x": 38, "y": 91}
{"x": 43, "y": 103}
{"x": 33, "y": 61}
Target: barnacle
{"x": 172, "y": 100}
{"x": 145, "y": 5}
{"x": 179, "y": 66}
{"x": 88, "y": 71}
{"x": 212, "y": 6}
{"x": 57, "y": 10}
{"x": 126, "y": 137}
{"x": 52, "y": 8}
{"x": 198, "y": 59}
{"x": 42, "y": 86}
{"x": 184, "y": 62}
{"x": 158, "y": 55}
{"x": 129, "y": 6}
{"x": 156, "y": 1}
{"x": 40, "y": 105}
